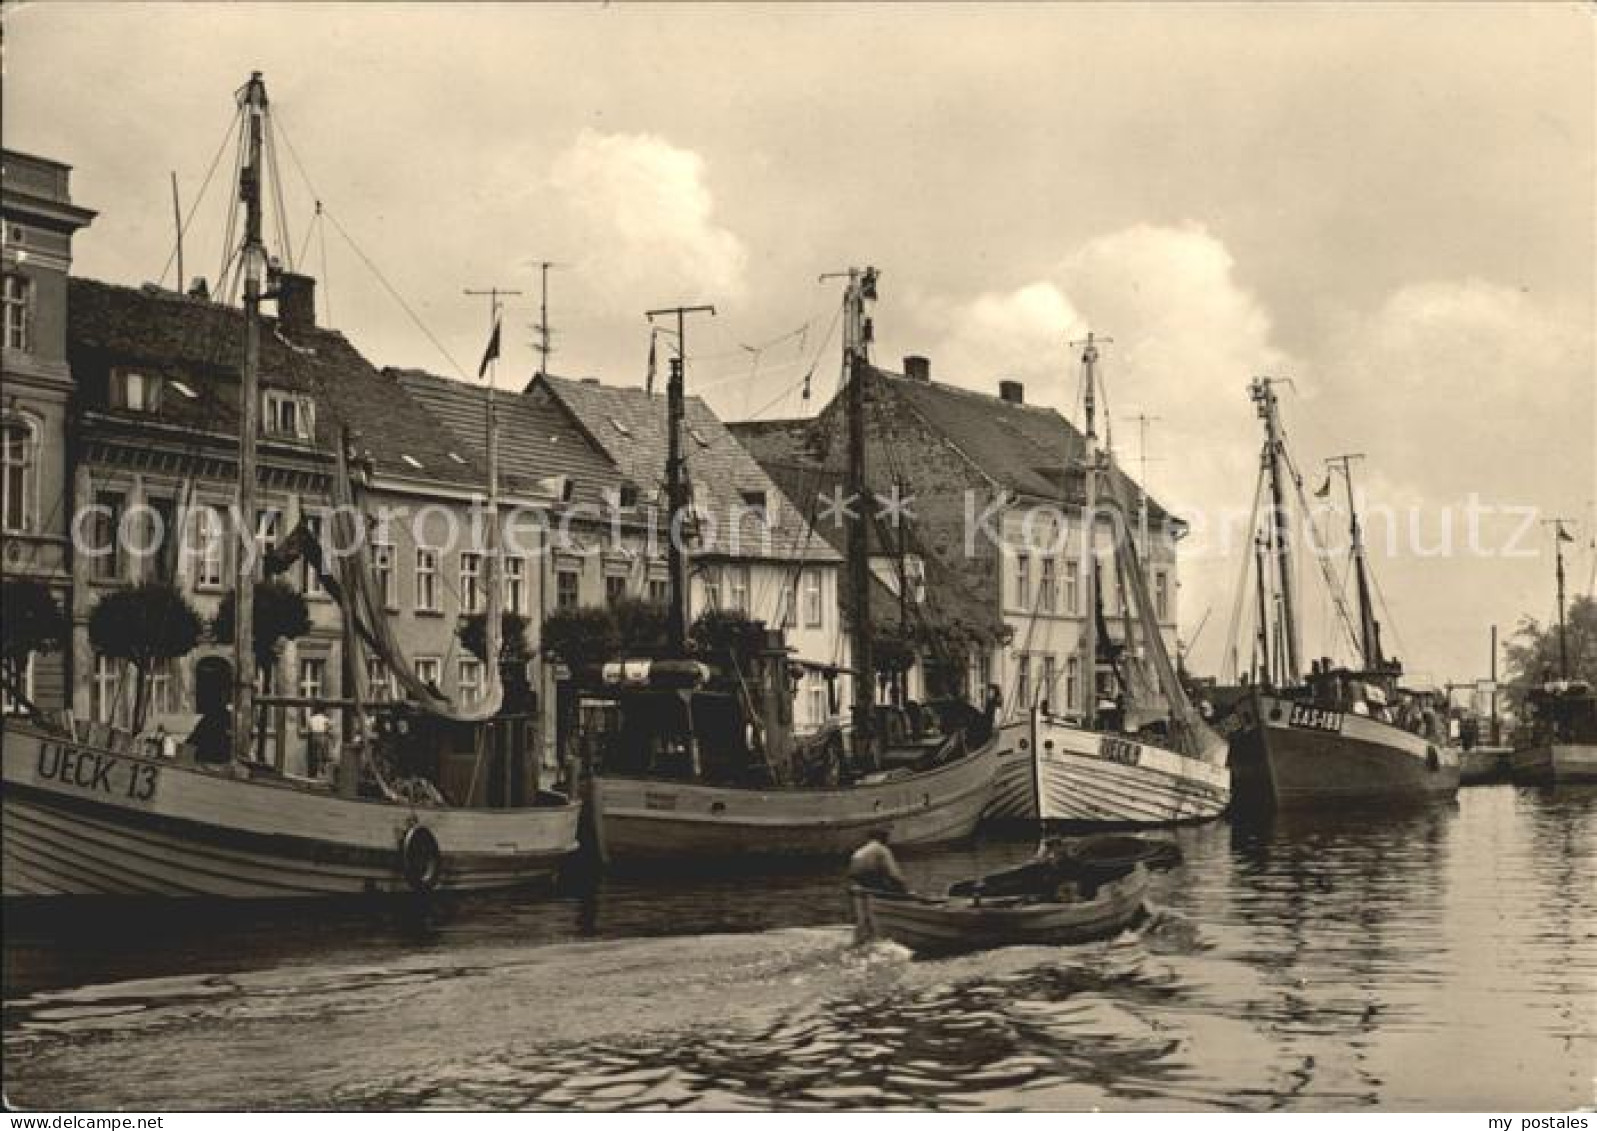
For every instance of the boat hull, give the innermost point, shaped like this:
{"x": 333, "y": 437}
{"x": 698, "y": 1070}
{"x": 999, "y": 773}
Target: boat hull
{"x": 952, "y": 926}
{"x": 1287, "y": 755}
{"x": 1088, "y": 778}
{"x": 82, "y": 820}
{"x": 652, "y": 820}
{"x": 1483, "y": 765}
{"x": 1555, "y": 763}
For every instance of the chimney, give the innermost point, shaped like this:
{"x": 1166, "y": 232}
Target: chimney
{"x": 296, "y": 301}
{"x": 1012, "y": 391}
{"x": 918, "y": 368}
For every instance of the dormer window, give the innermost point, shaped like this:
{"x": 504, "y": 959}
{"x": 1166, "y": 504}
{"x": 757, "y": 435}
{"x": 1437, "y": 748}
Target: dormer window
{"x": 755, "y": 501}
{"x": 290, "y": 416}
{"x": 135, "y": 391}
{"x": 622, "y": 496}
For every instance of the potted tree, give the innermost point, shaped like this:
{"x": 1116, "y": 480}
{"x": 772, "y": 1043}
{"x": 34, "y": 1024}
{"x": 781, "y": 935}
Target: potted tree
{"x": 144, "y": 625}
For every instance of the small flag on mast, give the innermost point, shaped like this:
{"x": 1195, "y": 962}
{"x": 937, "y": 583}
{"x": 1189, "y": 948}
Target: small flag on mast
{"x": 1325, "y": 489}
{"x": 1564, "y": 535}
{"x": 491, "y": 353}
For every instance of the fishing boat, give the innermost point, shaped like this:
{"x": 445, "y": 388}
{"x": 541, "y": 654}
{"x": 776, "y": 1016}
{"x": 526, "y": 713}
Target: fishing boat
{"x": 1071, "y": 893}
{"x": 1336, "y": 734}
{"x": 693, "y": 761}
{"x": 1560, "y": 743}
{"x": 92, "y": 810}
{"x": 1145, "y": 758}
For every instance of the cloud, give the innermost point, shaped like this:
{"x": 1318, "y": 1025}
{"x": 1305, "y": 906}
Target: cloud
{"x": 644, "y": 217}
{"x": 1437, "y": 382}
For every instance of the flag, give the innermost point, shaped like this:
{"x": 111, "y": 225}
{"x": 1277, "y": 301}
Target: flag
{"x": 1564, "y": 535}
{"x": 648, "y": 384}
{"x": 1325, "y": 489}
{"x": 489, "y": 354}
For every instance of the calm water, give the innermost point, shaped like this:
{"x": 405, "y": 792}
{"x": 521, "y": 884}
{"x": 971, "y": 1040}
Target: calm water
{"x": 1445, "y": 958}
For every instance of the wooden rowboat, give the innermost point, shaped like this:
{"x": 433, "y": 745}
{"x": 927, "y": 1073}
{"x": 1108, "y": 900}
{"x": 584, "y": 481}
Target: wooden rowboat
{"x": 953, "y": 925}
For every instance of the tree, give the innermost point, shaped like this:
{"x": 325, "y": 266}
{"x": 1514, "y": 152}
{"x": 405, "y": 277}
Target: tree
{"x": 144, "y": 625}
{"x": 280, "y": 614}
{"x": 640, "y": 626}
{"x": 581, "y": 638}
{"x": 1531, "y": 654}
{"x": 513, "y": 647}
{"x": 726, "y": 634}
{"x": 33, "y": 623}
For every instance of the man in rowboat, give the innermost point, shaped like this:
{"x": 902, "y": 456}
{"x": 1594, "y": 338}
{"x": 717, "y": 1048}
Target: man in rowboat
{"x": 874, "y": 866}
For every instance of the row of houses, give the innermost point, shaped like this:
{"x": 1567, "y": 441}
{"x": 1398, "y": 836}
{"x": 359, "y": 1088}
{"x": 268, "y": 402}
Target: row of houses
{"x": 120, "y": 416}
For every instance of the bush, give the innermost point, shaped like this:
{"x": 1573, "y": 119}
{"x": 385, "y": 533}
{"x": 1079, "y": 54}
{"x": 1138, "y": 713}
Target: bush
{"x": 33, "y": 622}
{"x": 144, "y": 625}
{"x": 513, "y": 648}
{"x": 279, "y": 614}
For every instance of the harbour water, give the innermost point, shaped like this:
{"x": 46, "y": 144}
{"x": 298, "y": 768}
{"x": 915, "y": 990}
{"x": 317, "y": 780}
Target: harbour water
{"x": 1444, "y": 958}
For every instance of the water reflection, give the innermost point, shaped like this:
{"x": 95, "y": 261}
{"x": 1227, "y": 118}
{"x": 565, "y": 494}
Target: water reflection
{"x": 1444, "y": 957}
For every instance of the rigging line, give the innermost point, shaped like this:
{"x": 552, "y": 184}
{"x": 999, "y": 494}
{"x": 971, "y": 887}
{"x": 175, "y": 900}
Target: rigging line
{"x": 279, "y": 206}
{"x": 293, "y": 154}
{"x": 204, "y": 185}
{"x": 1233, "y": 625}
{"x": 1319, "y": 555}
{"x": 230, "y": 249}
{"x": 394, "y": 293}
{"x": 310, "y": 231}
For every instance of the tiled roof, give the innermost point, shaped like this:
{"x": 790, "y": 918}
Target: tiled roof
{"x": 537, "y": 441}
{"x": 784, "y": 448}
{"x": 1030, "y": 449}
{"x": 629, "y": 424}
{"x": 201, "y": 344}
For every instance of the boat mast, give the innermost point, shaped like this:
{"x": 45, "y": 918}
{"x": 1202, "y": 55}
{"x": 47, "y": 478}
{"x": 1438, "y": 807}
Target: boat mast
{"x": 1261, "y": 550}
{"x": 1563, "y": 635}
{"x": 1089, "y": 526}
{"x": 1263, "y": 393}
{"x": 253, "y": 100}
{"x": 1369, "y": 627}
{"x": 676, "y": 481}
{"x": 856, "y": 357}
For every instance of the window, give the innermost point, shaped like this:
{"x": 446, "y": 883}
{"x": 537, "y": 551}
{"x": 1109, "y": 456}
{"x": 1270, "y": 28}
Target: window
{"x": 515, "y": 585}
{"x": 738, "y": 586}
{"x": 426, "y": 580}
{"x": 1022, "y": 581}
{"x": 712, "y": 587}
{"x": 1073, "y": 682}
{"x": 1050, "y": 675}
{"x": 19, "y": 466}
{"x": 615, "y": 587}
{"x": 471, "y": 599}
{"x": 786, "y": 608}
{"x": 105, "y": 540}
{"x": 429, "y": 669}
{"x": 815, "y": 694}
{"x": 379, "y": 680}
{"x": 18, "y": 312}
{"x": 11, "y": 706}
{"x": 567, "y": 592}
{"x": 659, "y": 591}
{"x": 135, "y": 391}
{"x": 268, "y": 531}
{"x": 1161, "y": 595}
{"x": 469, "y": 686}
{"x": 1023, "y": 681}
{"x": 106, "y": 693}
{"x": 289, "y": 416}
{"x": 312, "y": 684}
{"x": 162, "y": 540}
{"x": 814, "y": 609}
{"x": 756, "y": 503}
{"x": 383, "y": 568}
{"x": 210, "y": 538}
{"x": 1048, "y": 586}
{"x": 1072, "y": 588}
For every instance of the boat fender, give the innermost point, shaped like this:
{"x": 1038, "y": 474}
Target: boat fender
{"x": 420, "y": 858}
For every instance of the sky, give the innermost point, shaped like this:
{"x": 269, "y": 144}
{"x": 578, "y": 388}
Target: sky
{"x": 1391, "y": 205}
